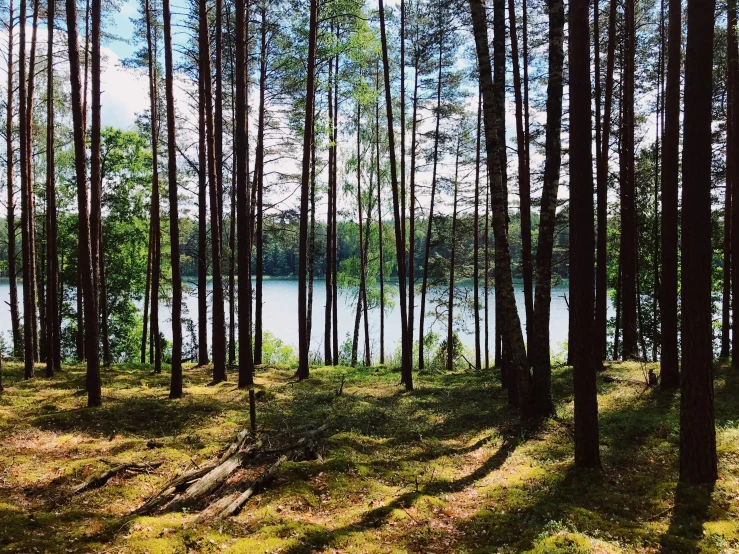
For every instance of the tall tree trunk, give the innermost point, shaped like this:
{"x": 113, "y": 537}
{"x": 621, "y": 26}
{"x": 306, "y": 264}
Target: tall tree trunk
{"x": 412, "y": 206}
{"x": 219, "y": 319}
{"x": 327, "y": 360}
{"x": 669, "y": 372}
{"x": 430, "y": 218}
{"x": 732, "y": 180}
{"x": 334, "y": 218}
{"x": 452, "y": 259}
{"x": 698, "y": 460}
{"x": 28, "y": 303}
{"x": 539, "y": 350}
{"x": 53, "y": 324}
{"x": 175, "y": 387}
{"x": 402, "y": 145}
{"x": 35, "y": 275}
{"x": 582, "y": 243}
{"x": 628, "y": 193}
{"x": 487, "y": 272}
{"x": 203, "y": 358}
{"x": 155, "y": 202}
{"x": 147, "y": 293}
{"x": 379, "y": 223}
{"x": 218, "y": 119}
{"x": 12, "y": 264}
{"x": 476, "y": 247}
{"x": 524, "y": 179}
{"x": 303, "y": 339}
{"x": 93, "y": 384}
{"x": 246, "y": 359}
{"x": 406, "y": 368}
{"x": 362, "y": 297}
{"x": 512, "y": 323}
{"x": 259, "y": 184}
{"x": 499, "y": 68}
{"x": 601, "y": 285}
{"x": 311, "y": 234}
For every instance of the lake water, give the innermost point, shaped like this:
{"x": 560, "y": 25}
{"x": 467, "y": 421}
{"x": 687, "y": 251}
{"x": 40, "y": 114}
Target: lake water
{"x": 281, "y": 318}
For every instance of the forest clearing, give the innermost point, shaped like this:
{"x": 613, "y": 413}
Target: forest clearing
{"x": 445, "y": 468}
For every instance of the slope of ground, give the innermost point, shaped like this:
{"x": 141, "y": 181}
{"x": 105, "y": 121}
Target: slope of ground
{"x": 446, "y": 468}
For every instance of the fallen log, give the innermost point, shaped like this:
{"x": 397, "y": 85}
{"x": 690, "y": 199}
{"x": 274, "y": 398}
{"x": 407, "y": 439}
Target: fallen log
{"x": 98, "y": 480}
{"x": 207, "y": 484}
{"x": 171, "y": 488}
{"x": 236, "y": 445}
{"x": 231, "y": 504}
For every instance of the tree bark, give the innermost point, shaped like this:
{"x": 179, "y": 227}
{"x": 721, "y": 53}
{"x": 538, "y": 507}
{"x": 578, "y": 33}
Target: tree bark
{"x": 732, "y": 181}
{"x": 259, "y": 169}
{"x": 303, "y": 340}
{"x": 430, "y": 218}
{"x": 219, "y": 318}
{"x": 406, "y": 367}
{"x": 53, "y": 329}
{"x": 582, "y": 243}
{"x": 524, "y": 179}
{"x": 698, "y": 460}
{"x": 539, "y": 350}
{"x": 15, "y": 321}
{"x": 628, "y": 194}
{"x": 93, "y": 384}
{"x": 511, "y": 323}
{"x": 669, "y": 372}
{"x": 452, "y": 259}
{"x": 175, "y": 387}
{"x": 476, "y": 245}
{"x": 601, "y": 285}
{"x": 246, "y": 359}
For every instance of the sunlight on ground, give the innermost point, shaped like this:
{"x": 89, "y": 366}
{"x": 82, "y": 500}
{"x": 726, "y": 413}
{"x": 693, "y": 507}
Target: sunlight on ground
{"x": 446, "y": 468}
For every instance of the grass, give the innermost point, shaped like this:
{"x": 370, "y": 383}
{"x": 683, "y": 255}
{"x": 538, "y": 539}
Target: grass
{"x": 446, "y": 468}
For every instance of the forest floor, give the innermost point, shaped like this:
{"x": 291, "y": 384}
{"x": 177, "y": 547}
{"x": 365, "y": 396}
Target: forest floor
{"x": 445, "y": 468}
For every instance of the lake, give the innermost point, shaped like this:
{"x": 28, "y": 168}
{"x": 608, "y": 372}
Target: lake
{"x": 281, "y": 318}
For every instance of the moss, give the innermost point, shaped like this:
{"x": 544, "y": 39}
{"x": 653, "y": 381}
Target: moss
{"x": 447, "y": 467}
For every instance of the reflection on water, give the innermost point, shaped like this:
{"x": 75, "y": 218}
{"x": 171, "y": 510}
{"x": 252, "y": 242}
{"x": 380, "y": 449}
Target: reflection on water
{"x": 281, "y": 318}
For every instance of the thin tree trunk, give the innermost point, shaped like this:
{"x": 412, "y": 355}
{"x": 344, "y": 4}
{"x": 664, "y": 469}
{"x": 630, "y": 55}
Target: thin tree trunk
{"x": 303, "y": 340}
{"x": 732, "y": 181}
{"x": 430, "y": 218}
{"x": 327, "y": 360}
{"x": 406, "y": 368}
{"x": 175, "y": 387}
{"x": 487, "y": 274}
{"x": 524, "y": 180}
{"x": 452, "y": 257}
{"x": 601, "y": 285}
{"x": 698, "y": 460}
{"x": 259, "y": 169}
{"x": 147, "y": 294}
{"x": 12, "y": 255}
{"x": 362, "y": 298}
{"x": 669, "y": 372}
{"x": 311, "y": 235}
{"x": 28, "y": 303}
{"x": 499, "y": 69}
{"x": 582, "y": 243}
{"x": 539, "y": 350}
{"x": 219, "y": 320}
{"x": 155, "y": 202}
{"x": 93, "y": 384}
{"x": 628, "y": 193}
{"x": 246, "y": 359}
{"x": 35, "y": 276}
{"x": 379, "y": 223}
{"x": 334, "y": 218}
{"x": 476, "y": 247}
{"x": 412, "y": 212}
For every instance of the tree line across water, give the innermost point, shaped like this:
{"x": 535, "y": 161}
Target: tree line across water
{"x": 367, "y": 145}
